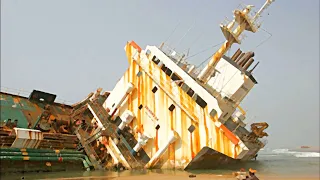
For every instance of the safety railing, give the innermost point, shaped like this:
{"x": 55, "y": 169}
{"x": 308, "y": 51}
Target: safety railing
{"x": 25, "y": 93}
{"x": 250, "y": 15}
{"x": 171, "y": 53}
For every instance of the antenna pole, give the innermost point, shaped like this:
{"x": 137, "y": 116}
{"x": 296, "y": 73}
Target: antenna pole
{"x": 264, "y": 7}
{"x": 232, "y": 36}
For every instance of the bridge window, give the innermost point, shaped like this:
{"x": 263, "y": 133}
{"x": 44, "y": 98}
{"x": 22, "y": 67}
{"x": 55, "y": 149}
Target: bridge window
{"x": 168, "y": 72}
{"x": 163, "y": 68}
{"x": 199, "y": 101}
{"x": 185, "y": 87}
{"x": 155, "y": 60}
{"x": 157, "y": 127}
{"x": 175, "y": 77}
{"x": 160, "y": 64}
{"x": 190, "y": 92}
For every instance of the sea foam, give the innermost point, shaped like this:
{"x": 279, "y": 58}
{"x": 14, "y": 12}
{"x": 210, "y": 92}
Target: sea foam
{"x": 296, "y": 153}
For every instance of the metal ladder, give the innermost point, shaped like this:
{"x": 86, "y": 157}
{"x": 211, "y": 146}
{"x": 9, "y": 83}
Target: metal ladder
{"x": 81, "y": 134}
{"x": 122, "y": 145}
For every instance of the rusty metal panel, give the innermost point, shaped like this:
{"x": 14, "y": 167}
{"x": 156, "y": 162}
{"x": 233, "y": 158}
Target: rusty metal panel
{"x": 155, "y": 111}
{"x": 13, "y": 114}
{"x": 28, "y": 113}
{"x": 18, "y": 108}
{"x": 27, "y": 138}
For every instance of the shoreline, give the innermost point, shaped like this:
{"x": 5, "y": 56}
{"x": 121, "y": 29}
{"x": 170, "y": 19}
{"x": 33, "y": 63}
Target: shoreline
{"x": 157, "y": 176}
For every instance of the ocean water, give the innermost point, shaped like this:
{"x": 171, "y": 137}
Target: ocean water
{"x": 273, "y": 162}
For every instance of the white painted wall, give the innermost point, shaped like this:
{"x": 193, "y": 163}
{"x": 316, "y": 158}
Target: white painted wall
{"x": 212, "y": 102}
{"x": 228, "y": 81}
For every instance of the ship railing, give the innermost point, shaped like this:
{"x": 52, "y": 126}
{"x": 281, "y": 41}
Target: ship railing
{"x": 25, "y": 93}
{"x": 250, "y": 15}
{"x": 172, "y": 53}
{"x": 178, "y": 58}
{"x": 200, "y": 67}
{"x": 171, "y": 86}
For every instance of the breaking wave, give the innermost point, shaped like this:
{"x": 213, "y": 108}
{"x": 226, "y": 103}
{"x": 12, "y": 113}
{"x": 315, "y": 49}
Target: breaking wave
{"x": 296, "y": 153}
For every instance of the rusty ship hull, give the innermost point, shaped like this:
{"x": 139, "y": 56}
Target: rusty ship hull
{"x": 163, "y": 113}
{"x": 38, "y": 134}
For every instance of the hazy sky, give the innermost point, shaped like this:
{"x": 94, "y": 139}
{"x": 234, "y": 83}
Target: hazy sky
{"x": 72, "y": 47}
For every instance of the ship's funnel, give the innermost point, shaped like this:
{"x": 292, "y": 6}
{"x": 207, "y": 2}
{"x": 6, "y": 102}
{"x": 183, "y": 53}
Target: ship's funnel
{"x": 247, "y": 65}
{"x": 239, "y": 58}
{"x": 245, "y": 22}
{"x": 245, "y": 58}
{"x": 250, "y": 71}
{"x": 236, "y": 54}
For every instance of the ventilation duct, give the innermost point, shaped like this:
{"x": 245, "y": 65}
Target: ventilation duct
{"x": 247, "y": 65}
{"x": 236, "y": 55}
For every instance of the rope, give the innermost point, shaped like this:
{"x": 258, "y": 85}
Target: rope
{"x": 185, "y": 33}
{"x": 270, "y": 35}
{"x": 204, "y": 50}
{"x": 195, "y": 40}
{"x": 26, "y": 93}
{"x": 205, "y": 61}
{"x": 172, "y": 32}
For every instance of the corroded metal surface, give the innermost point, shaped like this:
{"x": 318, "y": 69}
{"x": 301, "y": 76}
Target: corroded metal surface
{"x": 28, "y": 113}
{"x": 161, "y": 114}
{"x": 39, "y": 123}
{"x": 155, "y": 110}
{"x": 104, "y": 145}
{"x": 159, "y": 95}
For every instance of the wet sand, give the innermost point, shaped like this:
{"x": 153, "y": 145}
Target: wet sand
{"x": 204, "y": 177}
{"x": 155, "y": 176}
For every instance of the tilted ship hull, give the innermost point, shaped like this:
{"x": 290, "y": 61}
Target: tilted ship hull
{"x": 162, "y": 113}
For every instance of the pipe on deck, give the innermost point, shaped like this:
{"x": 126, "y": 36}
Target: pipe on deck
{"x": 173, "y": 137}
{"x": 124, "y": 95}
{"x": 245, "y": 58}
{"x": 142, "y": 141}
{"x": 40, "y": 150}
{"x": 46, "y": 155}
{"x": 250, "y": 71}
{"x": 236, "y": 55}
{"x": 126, "y": 118}
{"x": 239, "y": 57}
{"x": 35, "y": 158}
{"x": 248, "y": 63}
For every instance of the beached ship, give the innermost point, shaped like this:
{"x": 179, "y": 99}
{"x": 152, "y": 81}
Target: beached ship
{"x": 163, "y": 113}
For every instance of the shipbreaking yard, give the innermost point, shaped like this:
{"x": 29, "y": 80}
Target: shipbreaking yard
{"x": 179, "y": 90}
{"x": 163, "y": 113}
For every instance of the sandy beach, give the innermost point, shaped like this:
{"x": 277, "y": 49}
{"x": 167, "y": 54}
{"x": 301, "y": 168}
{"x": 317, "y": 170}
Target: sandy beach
{"x": 206, "y": 177}
{"x": 155, "y": 176}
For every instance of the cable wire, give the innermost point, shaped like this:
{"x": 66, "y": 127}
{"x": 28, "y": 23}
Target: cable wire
{"x": 270, "y": 35}
{"x": 204, "y": 50}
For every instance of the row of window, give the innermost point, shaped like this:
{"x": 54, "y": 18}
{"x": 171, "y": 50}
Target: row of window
{"x": 171, "y": 108}
{"x": 181, "y": 84}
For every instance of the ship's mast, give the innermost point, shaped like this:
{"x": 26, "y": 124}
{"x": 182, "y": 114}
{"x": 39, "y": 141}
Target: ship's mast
{"x": 232, "y": 36}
